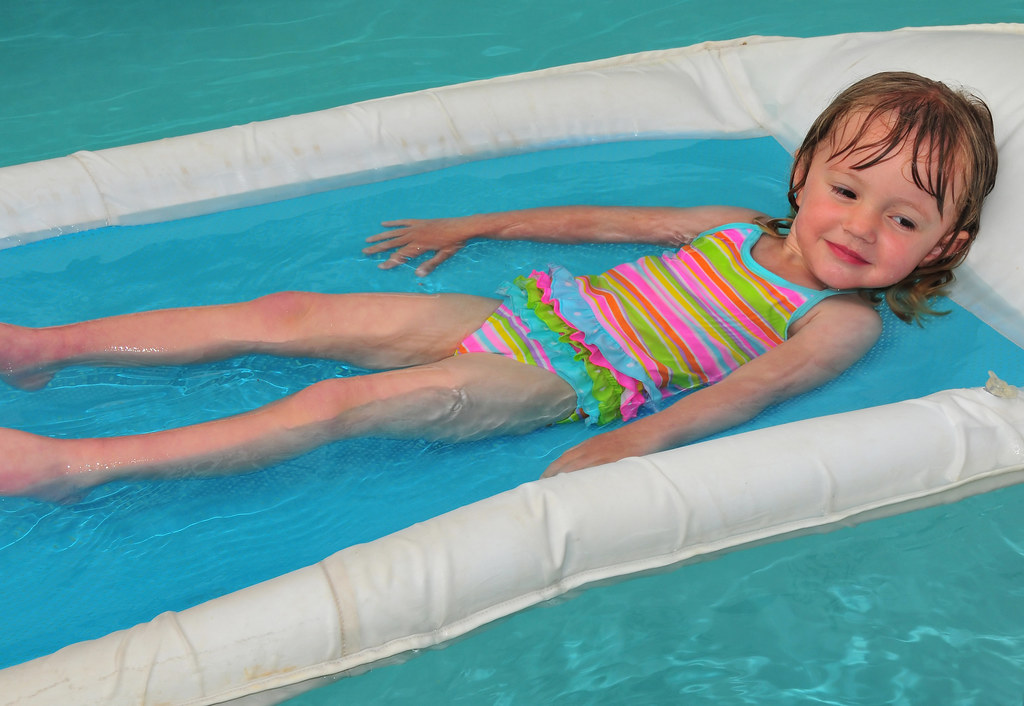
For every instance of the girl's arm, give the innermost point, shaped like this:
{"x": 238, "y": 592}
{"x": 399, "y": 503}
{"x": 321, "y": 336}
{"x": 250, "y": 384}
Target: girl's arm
{"x": 444, "y": 237}
{"x": 831, "y": 338}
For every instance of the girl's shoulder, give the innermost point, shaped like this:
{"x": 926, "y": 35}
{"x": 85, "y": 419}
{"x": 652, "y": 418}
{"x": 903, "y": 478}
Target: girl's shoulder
{"x": 739, "y": 230}
{"x": 842, "y": 315}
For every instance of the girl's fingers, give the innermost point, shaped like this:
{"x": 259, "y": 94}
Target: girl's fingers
{"x": 430, "y": 265}
{"x": 380, "y": 244}
{"x": 408, "y": 242}
{"x": 411, "y": 252}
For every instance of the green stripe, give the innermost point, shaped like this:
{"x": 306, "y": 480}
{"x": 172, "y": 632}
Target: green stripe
{"x": 732, "y": 269}
{"x": 604, "y": 387}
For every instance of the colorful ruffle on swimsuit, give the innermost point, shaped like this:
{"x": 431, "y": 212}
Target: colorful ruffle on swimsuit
{"x": 647, "y": 329}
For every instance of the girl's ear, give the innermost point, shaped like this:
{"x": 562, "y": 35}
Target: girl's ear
{"x": 949, "y": 245}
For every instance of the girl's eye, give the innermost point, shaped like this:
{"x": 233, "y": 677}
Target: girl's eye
{"x": 904, "y": 222}
{"x": 844, "y": 192}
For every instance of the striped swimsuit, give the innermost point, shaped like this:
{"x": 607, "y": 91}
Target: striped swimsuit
{"x": 647, "y": 329}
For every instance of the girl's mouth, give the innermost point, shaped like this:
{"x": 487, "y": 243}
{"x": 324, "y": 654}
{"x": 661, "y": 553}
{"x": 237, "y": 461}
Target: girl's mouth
{"x": 846, "y": 254}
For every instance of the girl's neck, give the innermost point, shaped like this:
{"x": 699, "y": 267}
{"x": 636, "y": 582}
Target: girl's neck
{"x": 779, "y": 256}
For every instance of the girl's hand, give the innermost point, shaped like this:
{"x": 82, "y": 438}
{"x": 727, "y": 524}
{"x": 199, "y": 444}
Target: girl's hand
{"x": 604, "y": 448}
{"x": 411, "y": 238}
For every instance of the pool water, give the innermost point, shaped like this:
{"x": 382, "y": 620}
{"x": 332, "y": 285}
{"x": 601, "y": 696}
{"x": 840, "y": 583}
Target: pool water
{"x": 923, "y": 608}
{"x": 112, "y": 72}
{"x": 127, "y": 551}
{"x": 902, "y": 611}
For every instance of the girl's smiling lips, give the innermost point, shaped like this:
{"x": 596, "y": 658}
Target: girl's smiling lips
{"x": 844, "y": 253}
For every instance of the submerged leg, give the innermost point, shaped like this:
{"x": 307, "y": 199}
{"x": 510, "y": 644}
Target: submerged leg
{"x": 460, "y": 398}
{"x": 370, "y": 330}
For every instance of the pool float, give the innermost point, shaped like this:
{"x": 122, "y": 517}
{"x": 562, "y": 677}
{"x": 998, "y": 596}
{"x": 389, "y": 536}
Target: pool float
{"x": 434, "y": 582}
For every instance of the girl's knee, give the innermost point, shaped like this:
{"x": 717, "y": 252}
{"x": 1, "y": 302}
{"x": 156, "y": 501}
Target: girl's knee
{"x": 454, "y": 400}
{"x": 283, "y": 304}
{"x": 282, "y": 314}
{"x": 407, "y": 403}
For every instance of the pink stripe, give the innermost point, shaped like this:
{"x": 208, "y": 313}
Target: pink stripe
{"x": 536, "y": 348}
{"x": 674, "y": 314}
{"x": 790, "y": 299}
{"x": 690, "y": 279}
{"x": 632, "y": 397}
{"x": 598, "y": 300}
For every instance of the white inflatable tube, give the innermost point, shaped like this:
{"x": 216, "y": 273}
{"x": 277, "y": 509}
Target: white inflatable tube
{"x": 742, "y": 88}
{"x": 440, "y": 579}
{"x": 436, "y": 581}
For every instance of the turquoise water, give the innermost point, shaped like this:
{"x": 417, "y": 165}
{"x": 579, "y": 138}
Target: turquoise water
{"x": 74, "y": 572}
{"x": 856, "y": 613}
{"x": 918, "y": 609}
{"x": 87, "y": 75}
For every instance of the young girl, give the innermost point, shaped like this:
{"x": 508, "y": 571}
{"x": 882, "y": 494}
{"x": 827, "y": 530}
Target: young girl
{"x": 886, "y": 192}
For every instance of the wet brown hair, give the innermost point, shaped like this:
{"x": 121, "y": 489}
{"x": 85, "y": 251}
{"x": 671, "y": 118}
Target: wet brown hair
{"x": 952, "y": 144}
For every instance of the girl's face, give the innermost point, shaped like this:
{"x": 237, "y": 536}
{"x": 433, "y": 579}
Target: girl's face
{"x": 866, "y": 228}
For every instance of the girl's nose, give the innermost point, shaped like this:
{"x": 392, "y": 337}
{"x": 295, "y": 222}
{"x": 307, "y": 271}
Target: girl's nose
{"x": 861, "y": 223}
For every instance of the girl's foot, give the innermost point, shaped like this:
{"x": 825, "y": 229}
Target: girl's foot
{"x": 29, "y": 464}
{"x": 22, "y": 361}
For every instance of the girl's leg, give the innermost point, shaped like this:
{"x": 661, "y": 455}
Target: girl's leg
{"x": 459, "y": 398}
{"x": 369, "y": 330}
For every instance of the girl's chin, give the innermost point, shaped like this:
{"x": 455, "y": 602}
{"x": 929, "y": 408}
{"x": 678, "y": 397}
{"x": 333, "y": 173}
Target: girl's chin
{"x": 842, "y": 281}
